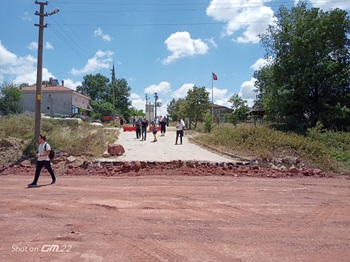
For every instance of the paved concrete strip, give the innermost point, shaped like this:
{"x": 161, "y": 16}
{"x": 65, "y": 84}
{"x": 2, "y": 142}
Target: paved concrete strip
{"x": 163, "y": 150}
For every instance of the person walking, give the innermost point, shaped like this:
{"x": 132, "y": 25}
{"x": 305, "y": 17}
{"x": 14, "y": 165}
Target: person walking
{"x": 154, "y": 131}
{"x": 138, "y": 129}
{"x": 144, "y": 126}
{"x": 162, "y": 126}
{"x": 43, "y": 161}
{"x": 179, "y": 131}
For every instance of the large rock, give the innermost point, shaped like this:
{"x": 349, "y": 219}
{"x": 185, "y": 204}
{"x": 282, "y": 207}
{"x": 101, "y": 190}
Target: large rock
{"x": 115, "y": 150}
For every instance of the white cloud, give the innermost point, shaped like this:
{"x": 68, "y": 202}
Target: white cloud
{"x": 19, "y": 70}
{"x": 48, "y": 45}
{"x": 251, "y": 16}
{"x": 135, "y": 96}
{"x": 217, "y": 93}
{"x": 34, "y": 46}
{"x": 329, "y": 4}
{"x": 247, "y": 91}
{"x": 105, "y": 37}
{"x": 261, "y": 62}
{"x": 139, "y": 104}
{"x": 101, "y": 60}
{"x": 71, "y": 84}
{"x": 162, "y": 87}
{"x": 212, "y": 42}
{"x": 182, "y": 91}
{"x": 180, "y": 44}
{"x": 223, "y": 102}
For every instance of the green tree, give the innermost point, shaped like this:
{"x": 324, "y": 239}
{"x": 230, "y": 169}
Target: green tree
{"x": 240, "y": 109}
{"x": 136, "y": 112}
{"x": 308, "y": 78}
{"x": 102, "y": 108}
{"x": 122, "y": 94}
{"x": 176, "y": 109}
{"x": 197, "y": 104}
{"x": 10, "y": 99}
{"x": 94, "y": 86}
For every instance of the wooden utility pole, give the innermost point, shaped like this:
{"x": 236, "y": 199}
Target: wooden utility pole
{"x": 39, "y": 70}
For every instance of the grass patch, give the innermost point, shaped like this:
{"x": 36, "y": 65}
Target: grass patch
{"x": 328, "y": 150}
{"x": 69, "y": 137}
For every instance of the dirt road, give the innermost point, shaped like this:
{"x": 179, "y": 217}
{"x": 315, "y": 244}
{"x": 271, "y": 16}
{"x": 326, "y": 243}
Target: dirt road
{"x": 165, "y": 149}
{"x": 175, "y": 218}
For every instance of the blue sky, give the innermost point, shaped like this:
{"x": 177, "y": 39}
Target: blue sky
{"x": 163, "y": 46}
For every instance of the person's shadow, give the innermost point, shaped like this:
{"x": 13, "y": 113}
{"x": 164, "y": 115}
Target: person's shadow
{"x": 39, "y": 186}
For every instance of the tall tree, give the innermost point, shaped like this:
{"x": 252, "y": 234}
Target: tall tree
{"x": 240, "y": 108}
{"x": 308, "y": 79}
{"x": 94, "y": 86}
{"x": 122, "y": 94}
{"x": 10, "y": 99}
{"x": 197, "y": 104}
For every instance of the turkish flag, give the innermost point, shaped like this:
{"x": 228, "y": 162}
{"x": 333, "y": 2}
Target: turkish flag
{"x": 214, "y": 76}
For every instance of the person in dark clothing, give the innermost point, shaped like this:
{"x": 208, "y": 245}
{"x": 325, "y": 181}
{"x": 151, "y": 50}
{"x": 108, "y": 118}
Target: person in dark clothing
{"x": 163, "y": 126}
{"x": 43, "y": 161}
{"x": 138, "y": 129}
{"x": 144, "y": 126}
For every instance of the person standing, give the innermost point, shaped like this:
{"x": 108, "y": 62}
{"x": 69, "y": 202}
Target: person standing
{"x": 162, "y": 126}
{"x": 43, "y": 161}
{"x": 179, "y": 131}
{"x": 154, "y": 131}
{"x": 144, "y": 126}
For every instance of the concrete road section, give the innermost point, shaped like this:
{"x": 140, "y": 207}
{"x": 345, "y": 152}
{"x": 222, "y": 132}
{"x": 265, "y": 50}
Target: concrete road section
{"x": 164, "y": 149}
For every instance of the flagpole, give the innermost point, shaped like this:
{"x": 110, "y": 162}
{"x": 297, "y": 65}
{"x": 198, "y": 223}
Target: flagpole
{"x": 212, "y": 96}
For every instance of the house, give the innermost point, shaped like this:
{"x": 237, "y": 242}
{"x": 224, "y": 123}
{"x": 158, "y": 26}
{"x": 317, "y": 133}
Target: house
{"x": 56, "y": 100}
{"x": 219, "y": 112}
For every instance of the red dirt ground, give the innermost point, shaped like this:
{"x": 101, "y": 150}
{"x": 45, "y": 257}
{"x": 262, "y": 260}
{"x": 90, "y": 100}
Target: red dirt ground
{"x": 180, "y": 211}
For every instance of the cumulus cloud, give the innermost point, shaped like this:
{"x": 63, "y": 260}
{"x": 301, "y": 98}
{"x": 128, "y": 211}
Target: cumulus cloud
{"x": 261, "y": 62}
{"x": 251, "y": 16}
{"x": 105, "y": 37}
{"x": 247, "y": 91}
{"x": 71, "y": 84}
{"x": 162, "y": 87}
{"x": 19, "y": 70}
{"x": 180, "y": 44}
{"x": 135, "y": 96}
{"x": 101, "y": 60}
{"x": 182, "y": 91}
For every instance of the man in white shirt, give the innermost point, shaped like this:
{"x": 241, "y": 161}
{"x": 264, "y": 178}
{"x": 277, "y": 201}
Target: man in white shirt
{"x": 43, "y": 161}
{"x": 179, "y": 130}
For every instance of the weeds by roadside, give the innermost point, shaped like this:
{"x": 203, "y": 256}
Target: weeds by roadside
{"x": 326, "y": 150}
{"x": 68, "y": 136}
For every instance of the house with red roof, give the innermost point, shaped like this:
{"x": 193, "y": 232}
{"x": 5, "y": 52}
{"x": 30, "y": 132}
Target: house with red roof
{"x": 56, "y": 99}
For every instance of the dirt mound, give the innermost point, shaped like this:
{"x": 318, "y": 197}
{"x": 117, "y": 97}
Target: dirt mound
{"x": 11, "y": 149}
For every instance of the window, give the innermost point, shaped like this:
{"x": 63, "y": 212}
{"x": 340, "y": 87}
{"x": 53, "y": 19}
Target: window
{"x": 83, "y": 100}
{"x": 75, "y": 98}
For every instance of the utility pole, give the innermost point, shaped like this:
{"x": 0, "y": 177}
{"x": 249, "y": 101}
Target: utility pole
{"x": 113, "y": 86}
{"x": 155, "y": 106}
{"x": 39, "y": 70}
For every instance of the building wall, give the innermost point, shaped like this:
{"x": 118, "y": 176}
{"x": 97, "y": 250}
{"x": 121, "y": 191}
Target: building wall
{"x": 56, "y": 103}
{"x": 51, "y": 102}
{"x": 80, "y": 100}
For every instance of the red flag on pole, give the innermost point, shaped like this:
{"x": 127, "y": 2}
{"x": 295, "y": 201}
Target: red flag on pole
{"x": 214, "y": 76}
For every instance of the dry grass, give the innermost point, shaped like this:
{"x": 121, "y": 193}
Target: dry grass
{"x": 328, "y": 150}
{"x": 66, "y": 136}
